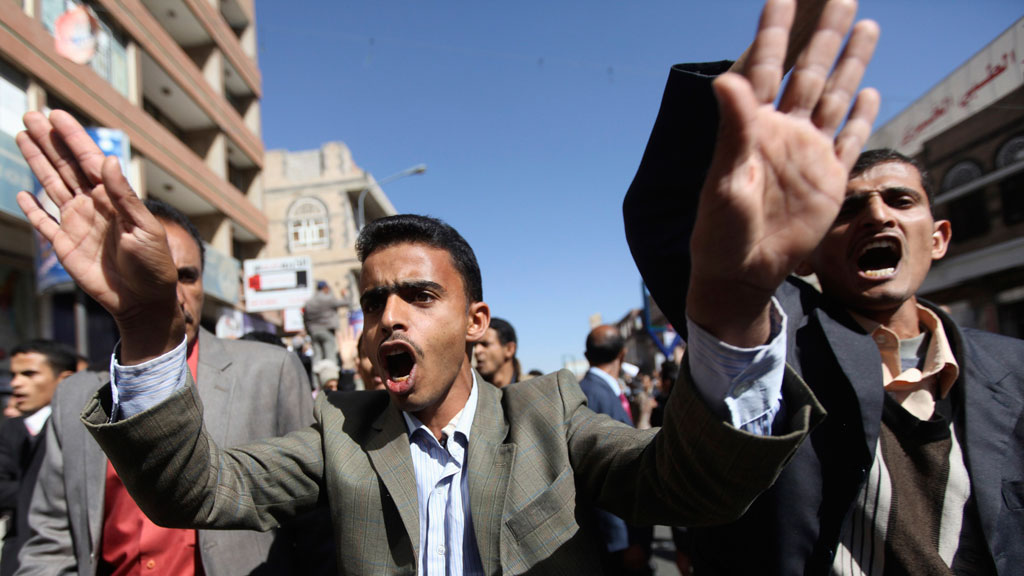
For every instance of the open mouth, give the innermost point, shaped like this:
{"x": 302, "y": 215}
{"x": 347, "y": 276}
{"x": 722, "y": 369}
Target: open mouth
{"x": 399, "y": 362}
{"x": 879, "y": 258}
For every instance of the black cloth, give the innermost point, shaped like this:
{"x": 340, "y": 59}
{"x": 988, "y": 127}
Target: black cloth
{"x": 794, "y": 527}
{"x": 21, "y": 455}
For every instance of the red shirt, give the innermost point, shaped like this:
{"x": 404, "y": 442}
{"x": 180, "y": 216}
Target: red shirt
{"x": 132, "y": 545}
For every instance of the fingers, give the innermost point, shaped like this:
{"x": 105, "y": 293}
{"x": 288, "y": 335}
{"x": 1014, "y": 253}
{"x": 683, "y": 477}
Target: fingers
{"x": 737, "y": 105}
{"x": 39, "y": 218}
{"x": 855, "y": 133}
{"x": 53, "y": 162}
{"x": 121, "y": 197}
{"x": 764, "y": 59}
{"x": 815, "y": 62}
{"x": 845, "y": 79}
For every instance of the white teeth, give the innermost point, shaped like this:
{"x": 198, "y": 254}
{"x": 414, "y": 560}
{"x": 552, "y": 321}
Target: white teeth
{"x": 885, "y": 243}
{"x": 882, "y": 273}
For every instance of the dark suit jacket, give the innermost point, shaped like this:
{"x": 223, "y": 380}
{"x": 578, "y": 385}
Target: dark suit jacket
{"x": 794, "y": 527}
{"x": 20, "y": 457}
{"x": 253, "y": 391}
{"x": 536, "y": 457}
{"x": 602, "y": 400}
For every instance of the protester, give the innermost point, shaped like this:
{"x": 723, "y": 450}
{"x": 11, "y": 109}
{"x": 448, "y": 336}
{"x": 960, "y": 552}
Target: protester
{"x": 495, "y": 354}
{"x": 37, "y": 368}
{"x": 912, "y": 469}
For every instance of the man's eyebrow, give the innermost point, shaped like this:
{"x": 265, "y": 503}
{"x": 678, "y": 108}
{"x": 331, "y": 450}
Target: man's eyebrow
{"x": 404, "y": 286}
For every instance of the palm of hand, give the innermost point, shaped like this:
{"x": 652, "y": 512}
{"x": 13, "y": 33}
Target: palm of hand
{"x": 780, "y": 198}
{"x": 123, "y": 265}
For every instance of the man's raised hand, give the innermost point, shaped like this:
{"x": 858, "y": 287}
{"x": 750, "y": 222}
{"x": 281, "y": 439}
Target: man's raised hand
{"x": 778, "y": 176}
{"x": 113, "y": 248}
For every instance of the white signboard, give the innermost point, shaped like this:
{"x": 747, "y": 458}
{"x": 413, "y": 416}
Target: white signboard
{"x": 278, "y": 283}
{"x": 293, "y": 320}
{"x": 994, "y": 72}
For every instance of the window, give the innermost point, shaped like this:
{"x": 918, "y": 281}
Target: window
{"x": 968, "y": 214}
{"x": 308, "y": 225}
{"x": 1011, "y": 189}
{"x": 111, "y": 58}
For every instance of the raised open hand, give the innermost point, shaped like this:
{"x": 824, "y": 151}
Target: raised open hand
{"x": 778, "y": 176}
{"x": 113, "y": 248}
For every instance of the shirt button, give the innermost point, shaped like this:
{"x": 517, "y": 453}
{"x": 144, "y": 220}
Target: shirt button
{"x": 440, "y": 550}
{"x": 151, "y": 564}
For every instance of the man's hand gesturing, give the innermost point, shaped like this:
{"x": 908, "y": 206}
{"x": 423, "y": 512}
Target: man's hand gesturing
{"x": 113, "y": 248}
{"x": 778, "y": 176}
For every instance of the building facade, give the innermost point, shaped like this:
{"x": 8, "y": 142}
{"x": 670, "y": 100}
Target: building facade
{"x": 180, "y": 82}
{"x": 315, "y": 201}
{"x": 968, "y": 131}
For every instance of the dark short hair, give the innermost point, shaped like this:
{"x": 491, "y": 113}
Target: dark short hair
{"x": 168, "y": 213}
{"x": 506, "y": 333}
{"x": 669, "y": 371}
{"x": 60, "y": 357}
{"x": 263, "y": 336}
{"x": 603, "y": 346}
{"x": 871, "y": 158}
{"x": 416, "y": 229}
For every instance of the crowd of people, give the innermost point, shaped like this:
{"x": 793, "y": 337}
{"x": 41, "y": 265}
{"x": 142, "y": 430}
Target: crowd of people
{"x": 847, "y": 427}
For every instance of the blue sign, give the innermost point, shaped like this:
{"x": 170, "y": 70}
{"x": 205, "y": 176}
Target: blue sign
{"x": 50, "y": 274}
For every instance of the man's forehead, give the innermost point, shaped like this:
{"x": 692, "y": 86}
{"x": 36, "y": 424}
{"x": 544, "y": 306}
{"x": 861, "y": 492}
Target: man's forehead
{"x": 885, "y": 175}
{"x": 405, "y": 262}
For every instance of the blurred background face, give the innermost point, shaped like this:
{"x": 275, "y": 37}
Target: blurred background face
{"x": 491, "y": 354}
{"x": 188, "y": 261}
{"x": 33, "y": 382}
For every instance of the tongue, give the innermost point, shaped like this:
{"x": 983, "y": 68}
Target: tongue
{"x": 401, "y": 386}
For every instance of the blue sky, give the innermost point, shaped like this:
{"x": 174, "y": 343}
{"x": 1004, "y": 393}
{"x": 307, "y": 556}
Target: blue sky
{"x": 532, "y": 117}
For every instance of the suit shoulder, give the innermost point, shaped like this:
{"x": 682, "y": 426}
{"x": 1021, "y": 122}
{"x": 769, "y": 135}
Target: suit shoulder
{"x": 997, "y": 347}
{"x": 541, "y": 391}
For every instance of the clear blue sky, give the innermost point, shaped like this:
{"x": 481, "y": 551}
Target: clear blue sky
{"x": 532, "y": 117}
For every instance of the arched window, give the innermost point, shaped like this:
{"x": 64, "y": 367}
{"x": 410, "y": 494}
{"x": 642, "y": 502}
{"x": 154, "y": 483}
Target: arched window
{"x": 1011, "y": 189}
{"x": 308, "y": 225}
{"x": 967, "y": 214}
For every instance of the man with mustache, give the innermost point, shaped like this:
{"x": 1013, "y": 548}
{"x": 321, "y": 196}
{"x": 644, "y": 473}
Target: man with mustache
{"x": 439, "y": 473}
{"x": 83, "y": 520}
{"x": 918, "y": 468}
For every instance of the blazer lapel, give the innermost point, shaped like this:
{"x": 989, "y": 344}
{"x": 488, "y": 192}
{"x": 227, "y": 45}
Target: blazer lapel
{"x": 390, "y": 453}
{"x": 488, "y": 467}
{"x": 214, "y": 385}
{"x": 94, "y": 465}
{"x": 861, "y": 363}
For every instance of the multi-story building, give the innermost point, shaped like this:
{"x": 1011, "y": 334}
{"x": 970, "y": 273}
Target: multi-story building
{"x": 317, "y": 201}
{"x": 968, "y": 131}
{"x": 180, "y": 79}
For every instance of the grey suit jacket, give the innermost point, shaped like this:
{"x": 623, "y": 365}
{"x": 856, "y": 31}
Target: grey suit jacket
{"x": 252, "y": 391}
{"x": 537, "y": 457}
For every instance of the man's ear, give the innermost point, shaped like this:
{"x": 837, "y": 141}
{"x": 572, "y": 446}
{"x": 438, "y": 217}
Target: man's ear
{"x": 510, "y": 349}
{"x": 64, "y": 375}
{"x": 941, "y": 236}
{"x": 479, "y": 320}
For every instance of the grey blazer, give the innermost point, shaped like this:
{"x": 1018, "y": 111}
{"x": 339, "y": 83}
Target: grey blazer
{"x": 537, "y": 457}
{"x": 252, "y": 391}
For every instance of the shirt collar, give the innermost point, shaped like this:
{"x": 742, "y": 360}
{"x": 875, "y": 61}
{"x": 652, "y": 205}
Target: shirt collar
{"x": 611, "y": 382}
{"x": 37, "y": 420}
{"x": 939, "y": 359}
{"x": 462, "y": 423}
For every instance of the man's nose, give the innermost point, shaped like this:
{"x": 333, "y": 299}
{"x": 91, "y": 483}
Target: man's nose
{"x": 393, "y": 317}
{"x": 877, "y": 212}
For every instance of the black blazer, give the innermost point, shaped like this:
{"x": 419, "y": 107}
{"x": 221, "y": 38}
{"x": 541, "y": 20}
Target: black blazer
{"x": 20, "y": 458}
{"x": 794, "y": 527}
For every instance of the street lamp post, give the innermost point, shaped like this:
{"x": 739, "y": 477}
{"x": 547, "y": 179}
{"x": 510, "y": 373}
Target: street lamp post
{"x": 361, "y": 203}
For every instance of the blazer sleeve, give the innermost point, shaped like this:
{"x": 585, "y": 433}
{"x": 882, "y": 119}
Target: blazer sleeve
{"x": 11, "y": 441}
{"x": 696, "y": 469}
{"x": 660, "y": 207}
{"x": 50, "y": 550}
{"x": 181, "y": 479}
